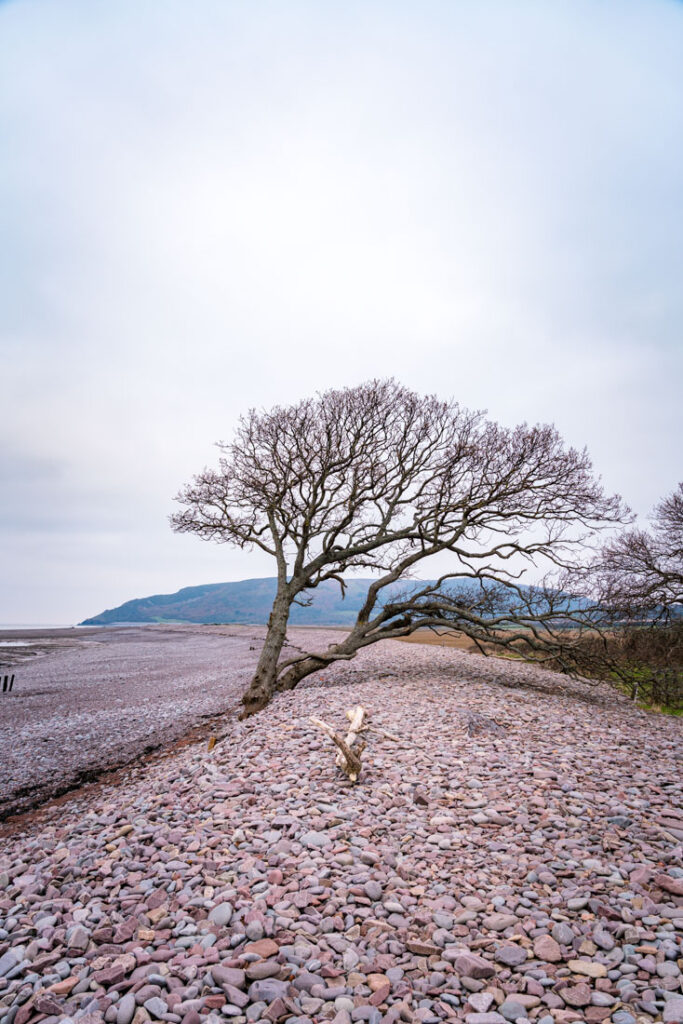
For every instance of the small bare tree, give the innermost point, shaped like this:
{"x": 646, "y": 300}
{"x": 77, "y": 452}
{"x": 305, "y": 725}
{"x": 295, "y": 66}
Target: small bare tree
{"x": 636, "y": 583}
{"x": 639, "y": 574}
{"x": 379, "y": 478}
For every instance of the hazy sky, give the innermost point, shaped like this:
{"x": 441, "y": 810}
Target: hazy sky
{"x": 217, "y": 205}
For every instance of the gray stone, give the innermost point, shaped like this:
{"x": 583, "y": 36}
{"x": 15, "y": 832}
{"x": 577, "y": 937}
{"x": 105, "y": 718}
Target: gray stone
{"x": 511, "y": 956}
{"x": 602, "y": 999}
{"x": 125, "y": 1010}
{"x": 344, "y": 1003}
{"x": 156, "y": 1007}
{"x": 499, "y": 922}
{"x": 254, "y": 931}
{"x": 8, "y": 961}
{"x": 512, "y": 1010}
{"x": 262, "y": 969}
{"x": 578, "y": 903}
{"x": 267, "y": 989}
{"x": 228, "y": 976}
{"x": 221, "y": 914}
{"x": 373, "y": 890}
{"x": 673, "y": 1011}
{"x": 368, "y": 1013}
{"x": 603, "y": 939}
{"x": 563, "y": 934}
{"x": 315, "y": 840}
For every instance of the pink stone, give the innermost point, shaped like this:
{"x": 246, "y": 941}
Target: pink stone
{"x": 577, "y": 995}
{"x": 110, "y": 975}
{"x": 546, "y": 948}
{"x": 473, "y": 966}
{"x": 672, "y": 885}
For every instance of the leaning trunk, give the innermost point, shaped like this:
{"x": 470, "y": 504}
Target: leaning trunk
{"x": 295, "y": 673}
{"x": 344, "y": 651}
{"x": 263, "y": 685}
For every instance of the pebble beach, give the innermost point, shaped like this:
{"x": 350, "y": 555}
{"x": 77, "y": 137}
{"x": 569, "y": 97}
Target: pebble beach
{"x": 513, "y": 850}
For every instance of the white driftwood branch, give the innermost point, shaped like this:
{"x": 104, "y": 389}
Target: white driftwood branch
{"x": 355, "y": 717}
{"x": 349, "y": 749}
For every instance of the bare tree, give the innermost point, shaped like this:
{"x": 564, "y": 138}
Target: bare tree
{"x": 379, "y": 478}
{"x": 635, "y": 585}
{"x": 639, "y": 574}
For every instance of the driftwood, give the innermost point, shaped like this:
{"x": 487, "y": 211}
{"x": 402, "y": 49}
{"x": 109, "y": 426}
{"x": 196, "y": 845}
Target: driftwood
{"x": 350, "y": 748}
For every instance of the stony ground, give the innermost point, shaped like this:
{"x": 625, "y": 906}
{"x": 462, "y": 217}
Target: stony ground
{"x": 84, "y": 700}
{"x": 513, "y": 854}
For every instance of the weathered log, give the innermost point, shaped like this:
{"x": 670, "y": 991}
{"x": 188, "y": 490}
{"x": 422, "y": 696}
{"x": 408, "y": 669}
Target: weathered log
{"x": 349, "y": 749}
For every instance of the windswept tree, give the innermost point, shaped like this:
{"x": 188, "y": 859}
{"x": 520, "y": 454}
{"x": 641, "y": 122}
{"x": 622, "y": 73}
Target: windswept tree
{"x": 379, "y": 478}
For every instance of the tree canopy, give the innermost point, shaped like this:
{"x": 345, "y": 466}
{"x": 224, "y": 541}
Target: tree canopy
{"x": 380, "y": 478}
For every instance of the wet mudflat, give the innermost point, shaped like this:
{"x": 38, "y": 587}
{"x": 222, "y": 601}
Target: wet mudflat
{"x": 513, "y": 853}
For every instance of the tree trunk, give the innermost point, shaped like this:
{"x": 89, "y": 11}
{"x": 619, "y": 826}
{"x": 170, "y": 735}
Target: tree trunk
{"x": 263, "y": 685}
{"x": 295, "y": 673}
{"x": 344, "y": 651}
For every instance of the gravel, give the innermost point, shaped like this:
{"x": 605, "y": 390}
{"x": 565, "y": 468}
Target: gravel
{"x": 135, "y": 899}
{"x": 96, "y": 699}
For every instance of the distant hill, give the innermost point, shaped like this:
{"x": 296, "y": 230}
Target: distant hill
{"x": 248, "y": 601}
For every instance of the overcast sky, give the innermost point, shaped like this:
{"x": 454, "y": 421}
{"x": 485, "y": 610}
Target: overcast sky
{"x": 211, "y": 206}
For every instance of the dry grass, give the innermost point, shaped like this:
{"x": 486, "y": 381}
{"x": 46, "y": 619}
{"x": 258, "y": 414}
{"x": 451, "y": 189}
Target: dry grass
{"x": 458, "y": 640}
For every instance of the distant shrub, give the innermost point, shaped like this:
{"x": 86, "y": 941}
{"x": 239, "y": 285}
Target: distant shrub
{"x": 646, "y": 662}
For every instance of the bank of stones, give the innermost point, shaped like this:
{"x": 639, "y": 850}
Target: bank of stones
{"x": 529, "y": 872}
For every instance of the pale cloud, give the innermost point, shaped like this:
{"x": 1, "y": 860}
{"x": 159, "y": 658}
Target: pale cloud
{"x": 212, "y": 206}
